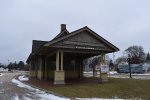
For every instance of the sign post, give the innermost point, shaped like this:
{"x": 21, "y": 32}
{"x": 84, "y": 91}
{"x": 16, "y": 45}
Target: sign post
{"x": 129, "y": 61}
{"x": 103, "y": 73}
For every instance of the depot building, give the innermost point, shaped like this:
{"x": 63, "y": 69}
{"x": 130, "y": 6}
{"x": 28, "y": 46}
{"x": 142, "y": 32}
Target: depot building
{"x": 62, "y": 57}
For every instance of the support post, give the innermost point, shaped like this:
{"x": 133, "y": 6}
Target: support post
{"x": 62, "y": 61}
{"x": 40, "y": 70}
{"x": 57, "y": 61}
{"x": 81, "y": 68}
{"x": 59, "y": 78}
{"x": 129, "y": 62}
{"x": 45, "y": 68}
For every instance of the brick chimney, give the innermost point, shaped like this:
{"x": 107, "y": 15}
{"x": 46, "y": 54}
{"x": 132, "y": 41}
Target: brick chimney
{"x": 63, "y": 27}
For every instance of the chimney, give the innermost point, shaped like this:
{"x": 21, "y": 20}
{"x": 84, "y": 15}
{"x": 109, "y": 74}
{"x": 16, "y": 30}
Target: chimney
{"x": 63, "y": 27}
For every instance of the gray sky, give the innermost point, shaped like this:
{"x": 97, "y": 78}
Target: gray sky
{"x": 122, "y": 22}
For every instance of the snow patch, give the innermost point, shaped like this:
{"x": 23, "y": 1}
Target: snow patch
{"x": 2, "y": 69}
{"x": 112, "y": 72}
{"x": 26, "y": 98}
{"x": 20, "y": 84}
{"x": 23, "y": 78}
{"x": 14, "y": 98}
{"x": 1, "y": 74}
{"x": 41, "y": 94}
{"x": 141, "y": 77}
{"x": 90, "y": 72}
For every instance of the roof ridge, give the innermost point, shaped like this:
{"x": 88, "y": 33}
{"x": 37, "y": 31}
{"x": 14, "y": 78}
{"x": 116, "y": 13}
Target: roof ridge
{"x": 60, "y": 34}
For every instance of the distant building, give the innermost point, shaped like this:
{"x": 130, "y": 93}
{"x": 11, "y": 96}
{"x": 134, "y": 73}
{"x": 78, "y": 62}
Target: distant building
{"x": 135, "y": 68}
{"x": 62, "y": 57}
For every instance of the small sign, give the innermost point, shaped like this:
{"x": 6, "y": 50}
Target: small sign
{"x": 104, "y": 71}
{"x": 82, "y": 47}
{"x": 104, "y": 68}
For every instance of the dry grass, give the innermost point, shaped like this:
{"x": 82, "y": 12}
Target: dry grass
{"x": 121, "y": 88}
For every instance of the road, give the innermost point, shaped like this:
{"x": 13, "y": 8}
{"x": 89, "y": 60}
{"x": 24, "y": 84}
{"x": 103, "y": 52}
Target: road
{"x": 10, "y": 91}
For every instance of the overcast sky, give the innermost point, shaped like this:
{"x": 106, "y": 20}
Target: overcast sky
{"x": 121, "y": 22}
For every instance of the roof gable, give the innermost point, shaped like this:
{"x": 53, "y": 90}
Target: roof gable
{"x": 83, "y": 36}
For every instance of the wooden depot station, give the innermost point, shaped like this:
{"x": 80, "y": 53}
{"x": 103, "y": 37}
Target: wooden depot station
{"x": 62, "y": 57}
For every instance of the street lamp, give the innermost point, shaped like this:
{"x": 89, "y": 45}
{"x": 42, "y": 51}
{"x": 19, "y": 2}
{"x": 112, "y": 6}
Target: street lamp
{"x": 129, "y": 61}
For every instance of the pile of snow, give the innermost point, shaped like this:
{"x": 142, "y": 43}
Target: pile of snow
{"x": 23, "y": 78}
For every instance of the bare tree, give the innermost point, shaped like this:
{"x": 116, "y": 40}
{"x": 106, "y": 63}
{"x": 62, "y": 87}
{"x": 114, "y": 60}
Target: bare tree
{"x": 148, "y": 58}
{"x": 121, "y": 59}
{"x": 137, "y": 54}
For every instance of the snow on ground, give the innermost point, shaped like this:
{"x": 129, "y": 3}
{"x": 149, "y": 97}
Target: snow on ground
{"x": 112, "y": 72}
{"x": 14, "y": 98}
{"x": 2, "y": 69}
{"x": 145, "y": 74}
{"x": 134, "y": 76}
{"x": 23, "y": 78}
{"x": 41, "y": 94}
{"x": 1, "y": 74}
{"x": 90, "y": 72}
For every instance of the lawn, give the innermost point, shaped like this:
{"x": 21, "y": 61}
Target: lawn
{"x": 120, "y": 88}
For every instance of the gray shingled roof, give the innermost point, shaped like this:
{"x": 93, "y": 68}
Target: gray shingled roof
{"x": 38, "y": 44}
